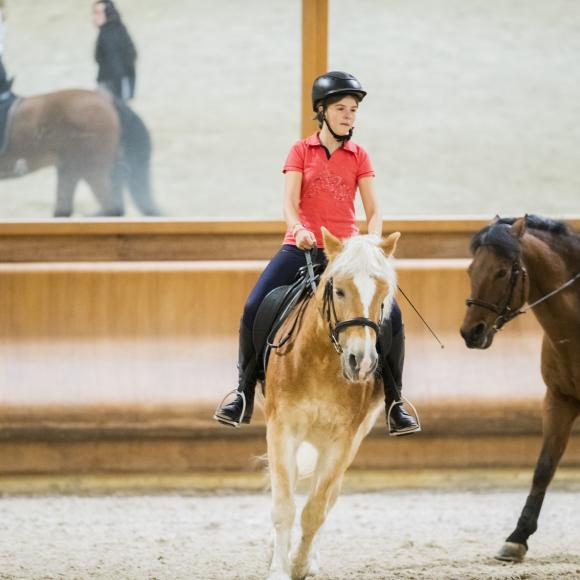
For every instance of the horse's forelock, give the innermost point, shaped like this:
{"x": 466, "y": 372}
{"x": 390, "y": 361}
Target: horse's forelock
{"x": 498, "y": 237}
{"x": 362, "y": 255}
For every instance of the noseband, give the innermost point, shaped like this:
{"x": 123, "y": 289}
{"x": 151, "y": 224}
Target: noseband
{"x": 335, "y": 327}
{"x": 505, "y": 313}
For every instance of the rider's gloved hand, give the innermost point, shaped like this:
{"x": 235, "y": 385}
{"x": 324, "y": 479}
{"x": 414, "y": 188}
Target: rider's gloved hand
{"x": 305, "y": 239}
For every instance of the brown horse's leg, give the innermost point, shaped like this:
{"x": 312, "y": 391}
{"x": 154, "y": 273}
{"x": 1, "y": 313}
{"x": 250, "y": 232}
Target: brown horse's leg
{"x": 333, "y": 462}
{"x": 559, "y": 416}
{"x": 107, "y": 193}
{"x": 282, "y": 448}
{"x": 66, "y": 186}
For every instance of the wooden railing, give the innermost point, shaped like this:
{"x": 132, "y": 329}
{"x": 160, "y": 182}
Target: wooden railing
{"x": 163, "y": 240}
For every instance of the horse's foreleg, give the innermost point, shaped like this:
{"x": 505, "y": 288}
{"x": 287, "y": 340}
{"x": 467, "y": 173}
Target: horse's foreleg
{"x": 328, "y": 479}
{"x": 282, "y": 448}
{"x": 67, "y": 182}
{"x": 559, "y": 416}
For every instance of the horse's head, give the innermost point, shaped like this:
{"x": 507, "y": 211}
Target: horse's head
{"x": 499, "y": 284}
{"x": 357, "y": 292}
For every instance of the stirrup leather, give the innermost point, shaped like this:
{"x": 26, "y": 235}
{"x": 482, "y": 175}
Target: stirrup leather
{"x": 226, "y": 421}
{"x": 410, "y": 430}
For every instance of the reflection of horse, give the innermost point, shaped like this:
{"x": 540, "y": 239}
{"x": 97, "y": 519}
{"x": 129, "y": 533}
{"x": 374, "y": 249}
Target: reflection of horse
{"x": 330, "y": 401}
{"x": 525, "y": 260}
{"x": 86, "y": 135}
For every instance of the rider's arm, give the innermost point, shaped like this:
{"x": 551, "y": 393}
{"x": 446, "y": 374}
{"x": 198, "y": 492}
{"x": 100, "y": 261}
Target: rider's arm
{"x": 292, "y": 184}
{"x": 370, "y": 203}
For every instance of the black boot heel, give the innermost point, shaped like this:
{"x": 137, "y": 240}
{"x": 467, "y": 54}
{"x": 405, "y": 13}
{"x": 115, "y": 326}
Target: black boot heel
{"x": 400, "y": 422}
{"x": 234, "y": 413}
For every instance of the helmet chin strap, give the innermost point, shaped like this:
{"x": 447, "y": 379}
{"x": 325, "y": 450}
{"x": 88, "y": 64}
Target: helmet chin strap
{"x": 339, "y": 138}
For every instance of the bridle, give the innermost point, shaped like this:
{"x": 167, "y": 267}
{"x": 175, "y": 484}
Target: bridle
{"x": 335, "y": 327}
{"x": 505, "y": 312}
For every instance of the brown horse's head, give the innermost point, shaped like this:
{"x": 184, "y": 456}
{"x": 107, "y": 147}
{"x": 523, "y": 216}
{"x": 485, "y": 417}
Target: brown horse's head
{"x": 499, "y": 283}
{"x": 357, "y": 292}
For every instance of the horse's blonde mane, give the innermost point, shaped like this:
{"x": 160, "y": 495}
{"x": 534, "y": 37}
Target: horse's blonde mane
{"x": 362, "y": 255}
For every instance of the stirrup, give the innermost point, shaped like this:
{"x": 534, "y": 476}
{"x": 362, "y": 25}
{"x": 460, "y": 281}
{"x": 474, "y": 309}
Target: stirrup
{"x": 230, "y": 422}
{"x": 408, "y": 431}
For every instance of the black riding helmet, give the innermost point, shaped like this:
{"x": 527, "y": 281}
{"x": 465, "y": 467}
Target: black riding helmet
{"x": 334, "y": 83}
{"x": 330, "y": 84}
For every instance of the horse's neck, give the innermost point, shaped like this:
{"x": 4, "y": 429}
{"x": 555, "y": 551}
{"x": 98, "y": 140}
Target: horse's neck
{"x": 547, "y": 271}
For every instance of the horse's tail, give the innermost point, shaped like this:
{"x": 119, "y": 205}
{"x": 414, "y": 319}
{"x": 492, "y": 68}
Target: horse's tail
{"x": 133, "y": 166}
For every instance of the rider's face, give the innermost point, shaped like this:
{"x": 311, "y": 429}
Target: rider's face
{"x": 99, "y": 16}
{"x": 342, "y": 114}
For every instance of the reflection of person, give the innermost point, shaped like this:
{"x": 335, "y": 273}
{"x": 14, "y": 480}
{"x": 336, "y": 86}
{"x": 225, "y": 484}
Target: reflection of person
{"x": 115, "y": 52}
{"x": 5, "y": 83}
{"x": 320, "y": 193}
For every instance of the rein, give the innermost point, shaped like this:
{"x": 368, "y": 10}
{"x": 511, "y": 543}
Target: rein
{"x": 506, "y": 313}
{"x": 335, "y": 326}
{"x": 307, "y": 282}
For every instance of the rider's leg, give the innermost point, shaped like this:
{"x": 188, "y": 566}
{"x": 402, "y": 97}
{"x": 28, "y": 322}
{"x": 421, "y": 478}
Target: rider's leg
{"x": 231, "y": 414}
{"x": 281, "y": 270}
{"x": 392, "y": 347}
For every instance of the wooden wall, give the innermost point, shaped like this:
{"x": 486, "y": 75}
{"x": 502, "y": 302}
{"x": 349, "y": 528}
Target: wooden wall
{"x": 118, "y": 338}
{"x": 166, "y": 332}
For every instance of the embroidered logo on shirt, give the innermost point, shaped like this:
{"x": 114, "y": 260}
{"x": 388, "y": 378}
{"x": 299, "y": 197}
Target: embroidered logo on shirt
{"x": 328, "y": 183}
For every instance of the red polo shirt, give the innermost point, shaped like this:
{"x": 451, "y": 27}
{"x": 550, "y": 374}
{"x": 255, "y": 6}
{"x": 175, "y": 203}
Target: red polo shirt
{"x": 328, "y": 186}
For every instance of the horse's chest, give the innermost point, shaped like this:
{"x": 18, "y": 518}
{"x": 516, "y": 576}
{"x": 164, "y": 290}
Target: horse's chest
{"x": 561, "y": 366}
{"x": 346, "y": 409}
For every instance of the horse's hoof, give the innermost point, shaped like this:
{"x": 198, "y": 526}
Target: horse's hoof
{"x": 278, "y": 575}
{"x": 511, "y": 552}
{"x": 311, "y": 569}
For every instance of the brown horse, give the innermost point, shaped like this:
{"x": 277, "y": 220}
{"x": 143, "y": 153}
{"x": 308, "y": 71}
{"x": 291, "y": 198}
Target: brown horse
{"x": 88, "y": 136}
{"x": 328, "y": 400}
{"x": 532, "y": 260}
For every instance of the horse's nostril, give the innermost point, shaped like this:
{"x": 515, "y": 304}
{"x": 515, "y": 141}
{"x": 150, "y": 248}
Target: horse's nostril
{"x": 478, "y": 330}
{"x": 353, "y": 362}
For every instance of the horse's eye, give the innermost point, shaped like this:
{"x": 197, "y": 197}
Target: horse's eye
{"x": 340, "y": 292}
{"x": 501, "y": 273}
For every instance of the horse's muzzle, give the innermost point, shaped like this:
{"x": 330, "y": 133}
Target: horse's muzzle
{"x": 479, "y": 336}
{"x": 358, "y": 368}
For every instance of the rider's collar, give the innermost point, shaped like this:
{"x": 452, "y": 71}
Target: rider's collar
{"x": 314, "y": 141}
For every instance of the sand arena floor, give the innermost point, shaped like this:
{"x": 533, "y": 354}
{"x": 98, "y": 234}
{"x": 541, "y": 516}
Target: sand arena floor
{"x": 426, "y": 533}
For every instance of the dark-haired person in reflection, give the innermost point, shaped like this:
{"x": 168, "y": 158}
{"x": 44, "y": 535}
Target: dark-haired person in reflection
{"x": 5, "y": 82}
{"x": 115, "y": 52}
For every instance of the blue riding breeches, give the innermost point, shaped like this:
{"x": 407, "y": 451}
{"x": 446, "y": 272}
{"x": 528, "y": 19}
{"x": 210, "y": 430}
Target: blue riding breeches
{"x": 281, "y": 271}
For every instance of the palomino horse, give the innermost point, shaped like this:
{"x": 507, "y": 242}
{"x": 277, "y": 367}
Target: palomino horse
{"x": 532, "y": 260}
{"x": 88, "y": 136}
{"x": 323, "y": 389}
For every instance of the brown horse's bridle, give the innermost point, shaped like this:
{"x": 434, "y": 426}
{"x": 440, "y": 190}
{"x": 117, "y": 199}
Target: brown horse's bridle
{"x": 505, "y": 313}
{"x": 335, "y": 327}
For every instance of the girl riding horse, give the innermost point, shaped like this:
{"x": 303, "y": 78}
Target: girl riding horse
{"x": 322, "y": 174}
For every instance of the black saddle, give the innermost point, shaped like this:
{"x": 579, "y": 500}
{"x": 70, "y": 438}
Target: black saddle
{"x": 275, "y": 308}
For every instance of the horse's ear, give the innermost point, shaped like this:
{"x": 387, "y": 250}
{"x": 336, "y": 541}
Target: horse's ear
{"x": 332, "y": 245}
{"x": 389, "y": 244}
{"x": 495, "y": 219}
{"x": 519, "y": 228}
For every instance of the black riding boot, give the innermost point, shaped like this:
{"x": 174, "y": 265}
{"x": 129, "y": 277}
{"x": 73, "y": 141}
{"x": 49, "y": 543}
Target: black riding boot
{"x": 231, "y": 414}
{"x": 399, "y": 421}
